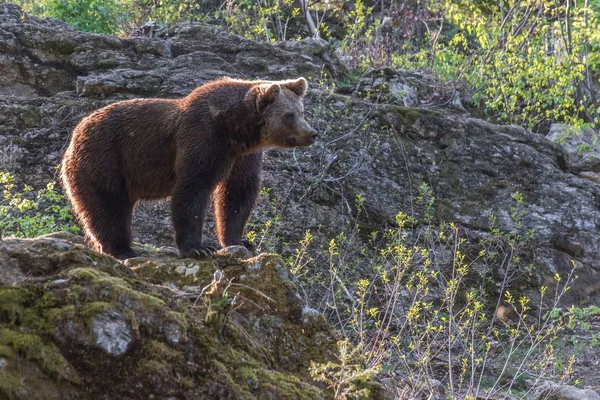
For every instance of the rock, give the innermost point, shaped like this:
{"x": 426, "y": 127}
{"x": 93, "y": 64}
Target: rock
{"x": 402, "y": 87}
{"x": 111, "y": 333}
{"x": 88, "y": 317}
{"x": 120, "y": 81}
{"x": 556, "y": 391}
{"x": 381, "y": 151}
{"x": 319, "y": 49}
{"x": 582, "y": 147}
{"x": 240, "y": 252}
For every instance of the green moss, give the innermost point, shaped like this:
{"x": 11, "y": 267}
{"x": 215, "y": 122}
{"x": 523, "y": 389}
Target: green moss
{"x": 150, "y": 300}
{"x": 48, "y": 300}
{"x": 74, "y": 293}
{"x": 248, "y": 378}
{"x": 188, "y": 383}
{"x": 6, "y": 351}
{"x": 155, "y": 368}
{"x": 56, "y": 365}
{"x": 60, "y": 314}
{"x": 89, "y": 274}
{"x": 33, "y": 320}
{"x": 397, "y": 116}
{"x": 222, "y": 374}
{"x": 287, "y": 386}
{"x": 91, "y": 309}
{"x": 410, "y": 115}
{"x": 230, "y": 357}
{"x": 119, "y": 288}
{"x": 10, "y": 385}
{"x": 161, "y": 351}
{"x": 26, "y": 344}
{"x": 248, "y": 374}
{"x": 47, "y": 356}
{"x": 12, "y": 302}
{"x": 179, "y": 318}
{"x": 271, "y": 281}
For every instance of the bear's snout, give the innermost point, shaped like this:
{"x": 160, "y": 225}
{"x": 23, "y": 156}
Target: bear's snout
{"x": 313, "y": 135}
{"x": 307, "y": 137}
{"x": 307, "y": 134}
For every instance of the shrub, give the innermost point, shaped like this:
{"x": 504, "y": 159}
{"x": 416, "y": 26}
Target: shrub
{"x": 424, "y": 310}
{"x": 32, "y": 213}
{"x": 102, "y": 16}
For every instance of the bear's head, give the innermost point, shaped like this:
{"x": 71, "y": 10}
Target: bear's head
{"x": 279, "y": 104}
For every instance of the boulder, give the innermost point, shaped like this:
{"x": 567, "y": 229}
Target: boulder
{"x": 73, "y": 320}
{"x": 556, "y": 391}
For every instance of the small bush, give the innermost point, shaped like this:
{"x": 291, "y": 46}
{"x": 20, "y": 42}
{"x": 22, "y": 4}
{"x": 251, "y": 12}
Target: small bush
{"x": 30, "y": 213}
{"x": 424, "y": 311}
{"x": 101, "y": 16}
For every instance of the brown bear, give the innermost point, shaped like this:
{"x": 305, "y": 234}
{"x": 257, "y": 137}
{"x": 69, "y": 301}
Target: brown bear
{"x": 209, "y": 142}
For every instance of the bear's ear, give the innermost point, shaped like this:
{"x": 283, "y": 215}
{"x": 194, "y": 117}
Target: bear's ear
{"x": 270, "y": 93}
{"x": 264, "y": 94}
{"x": 298, "y": 86}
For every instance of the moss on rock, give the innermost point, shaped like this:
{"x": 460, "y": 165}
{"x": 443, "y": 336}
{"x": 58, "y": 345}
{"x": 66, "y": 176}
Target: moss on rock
{"x": 13, "y": 301}
{"x": 68, "y": 325}
{"x": 47, "y": 355}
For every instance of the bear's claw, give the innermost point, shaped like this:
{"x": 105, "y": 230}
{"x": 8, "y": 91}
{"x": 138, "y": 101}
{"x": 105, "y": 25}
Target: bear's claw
{"x": 198, "y": 253}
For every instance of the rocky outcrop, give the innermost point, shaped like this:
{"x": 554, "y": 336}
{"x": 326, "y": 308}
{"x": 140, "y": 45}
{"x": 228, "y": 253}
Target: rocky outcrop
{"x": 582, "y": 149}
{"x": 554, "y": 391}
{"x": 76, "y": 324}
{"x": 52, "y": 75}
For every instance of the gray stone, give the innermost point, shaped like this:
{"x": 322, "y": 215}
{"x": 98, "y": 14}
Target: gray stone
{"x": 556, "y": 391}
{"x": 240, "y": 252}
{"x": 582, "y": 146}
{"x": 173, "y": 333}
{"x": 111, "y": 333}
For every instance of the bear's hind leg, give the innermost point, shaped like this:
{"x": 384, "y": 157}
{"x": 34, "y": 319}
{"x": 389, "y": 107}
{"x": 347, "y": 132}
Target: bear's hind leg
{"x": 106, "y": 215}
{"x": 113, "y": 226}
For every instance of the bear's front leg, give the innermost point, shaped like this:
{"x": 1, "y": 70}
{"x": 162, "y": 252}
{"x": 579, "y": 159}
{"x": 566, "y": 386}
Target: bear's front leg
{"x": 235, "y": 197}
{"x": 199, "y": 167}
{"x": 188, "y": 206}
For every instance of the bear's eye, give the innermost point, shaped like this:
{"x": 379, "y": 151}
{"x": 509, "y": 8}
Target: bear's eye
{"x": 290, "y": 116}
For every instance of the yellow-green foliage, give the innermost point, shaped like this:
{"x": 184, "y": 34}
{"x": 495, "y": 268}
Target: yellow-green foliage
{"x": 26, "y": 213}
{"x": 264, "y": 19}
{"x": 345, "y": 376}
{"x": 524, "y": 61}
{"x": 112, "y": 16}
{"x": 411, "y": 305}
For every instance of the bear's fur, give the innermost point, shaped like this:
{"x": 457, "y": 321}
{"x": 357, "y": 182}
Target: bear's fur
{"x": 209, "y": 142}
